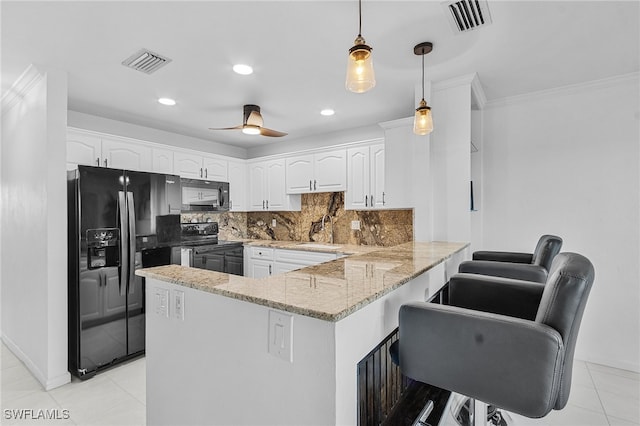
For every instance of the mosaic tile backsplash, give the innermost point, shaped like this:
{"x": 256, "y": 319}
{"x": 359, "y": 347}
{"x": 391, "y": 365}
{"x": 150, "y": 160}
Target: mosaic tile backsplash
{"x": 377, "y": 227}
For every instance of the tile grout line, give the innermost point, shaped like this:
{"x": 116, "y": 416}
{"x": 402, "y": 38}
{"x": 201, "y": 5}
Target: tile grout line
{"x": 127, "y": 392}
{"x": 606, "y": 415}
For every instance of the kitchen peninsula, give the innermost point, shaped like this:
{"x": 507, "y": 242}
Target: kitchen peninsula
{"x": 224, "y": 349}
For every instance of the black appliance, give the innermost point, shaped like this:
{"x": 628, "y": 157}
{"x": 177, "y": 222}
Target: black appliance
{"x": 204, "y": 195}
{"x": 207, "y": 252}
{"x": 113, "y": 216}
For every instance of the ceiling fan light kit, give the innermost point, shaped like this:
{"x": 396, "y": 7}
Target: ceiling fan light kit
{"x": 252, "y": 123}
{"x": 423, "y": 121}
{"x": 360, "y": 74}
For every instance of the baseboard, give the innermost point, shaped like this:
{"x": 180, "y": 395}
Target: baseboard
{"x": 46, "y": 383}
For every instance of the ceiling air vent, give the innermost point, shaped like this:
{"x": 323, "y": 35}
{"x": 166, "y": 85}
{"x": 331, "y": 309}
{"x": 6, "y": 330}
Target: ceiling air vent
{"x": 467, "y": 15}
{"x": 146, "y": 61}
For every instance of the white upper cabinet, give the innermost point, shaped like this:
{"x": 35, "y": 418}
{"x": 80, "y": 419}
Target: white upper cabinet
{"x": 162, "y": 161}
{"x": 320, "y": 172}
{"x": 126, "y": 155}
{"x": 83, "y": 149}
{"x": 215, "y": 169}
{"x": 267, "y": 187}
{"x": 197, "y": 166}
{"x": 299, "y": 174}
{"x": 365, "y": 178}
{"x": 238, "y": 186}
{"x": 89, "y": 149}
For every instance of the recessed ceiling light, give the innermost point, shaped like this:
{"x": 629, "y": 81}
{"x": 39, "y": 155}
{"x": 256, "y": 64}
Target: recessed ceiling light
{"x": 327, "y": 112}
{"x": 242, "y": 69}
{"x": 167, "y": 101}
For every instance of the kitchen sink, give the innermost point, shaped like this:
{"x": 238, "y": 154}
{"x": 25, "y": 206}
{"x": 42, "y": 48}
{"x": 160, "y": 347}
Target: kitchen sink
{"x": 320, "y": 246}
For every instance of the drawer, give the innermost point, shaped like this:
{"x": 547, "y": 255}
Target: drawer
{"x": 303, "y": 257}
{"x": 261, "y": 253}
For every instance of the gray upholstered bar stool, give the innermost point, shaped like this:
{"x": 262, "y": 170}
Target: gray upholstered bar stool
{"x": 517, "y": 357}
{"x": 523, "y": 266}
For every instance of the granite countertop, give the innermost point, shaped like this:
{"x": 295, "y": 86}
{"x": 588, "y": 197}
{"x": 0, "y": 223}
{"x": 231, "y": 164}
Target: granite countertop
{"x": 329, "y": 291}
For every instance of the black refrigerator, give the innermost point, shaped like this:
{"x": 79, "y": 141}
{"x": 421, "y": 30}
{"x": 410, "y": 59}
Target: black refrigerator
{"x": 115, "y": 217}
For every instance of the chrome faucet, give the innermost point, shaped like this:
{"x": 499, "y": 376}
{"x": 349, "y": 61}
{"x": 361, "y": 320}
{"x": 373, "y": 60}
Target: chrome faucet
{"x": 330, "y": 220}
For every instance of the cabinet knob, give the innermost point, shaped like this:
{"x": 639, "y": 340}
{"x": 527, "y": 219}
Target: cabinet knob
{"x": 383, "y": 202}
{"x": 200, "y": 171}
{"x": 310, "y": 185}
{"x": 98, "y": 164}
{"x": 366, "y": 201}
{"x": 206, "y": 173}
{"x": 105, "y": 162}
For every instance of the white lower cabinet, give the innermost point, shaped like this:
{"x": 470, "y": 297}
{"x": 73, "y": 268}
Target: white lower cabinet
{"x": 263, "y": 262}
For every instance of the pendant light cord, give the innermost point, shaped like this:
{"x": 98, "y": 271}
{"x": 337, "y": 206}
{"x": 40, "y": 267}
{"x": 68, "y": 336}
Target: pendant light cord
{"x": 423, "y": 73}
{"x": 359, "y": 18}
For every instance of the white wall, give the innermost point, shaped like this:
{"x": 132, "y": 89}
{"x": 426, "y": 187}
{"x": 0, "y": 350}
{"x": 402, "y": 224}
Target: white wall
{"x": 566, "y": 162}
{"x": 34, "y": 225}
{"x": 120, "y": 128}
{"x": 451, "y": 161}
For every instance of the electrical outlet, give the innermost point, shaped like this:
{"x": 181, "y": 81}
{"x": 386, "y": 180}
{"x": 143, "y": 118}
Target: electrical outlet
{"x": 178, "y": 304}
{"x": 273, "y": 222}
{"x": 162, "y": 302}
{"x": 355, "y": 225}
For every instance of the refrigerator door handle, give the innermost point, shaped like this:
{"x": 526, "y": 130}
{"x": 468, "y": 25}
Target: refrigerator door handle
{"x": 124, "y": 242}
{"x": 132, "y": 242}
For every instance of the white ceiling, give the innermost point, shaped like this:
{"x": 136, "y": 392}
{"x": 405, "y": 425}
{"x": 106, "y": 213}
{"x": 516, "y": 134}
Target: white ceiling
{"x": 299, "y": 51}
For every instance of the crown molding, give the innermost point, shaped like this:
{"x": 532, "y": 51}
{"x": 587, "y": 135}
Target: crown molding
{"x": 27, "y": 80}
{"x": 565, "y": 90}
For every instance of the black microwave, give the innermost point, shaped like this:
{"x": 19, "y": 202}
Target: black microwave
{"x": 204, "y": 195}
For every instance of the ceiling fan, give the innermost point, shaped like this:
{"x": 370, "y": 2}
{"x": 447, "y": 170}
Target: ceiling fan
{"x": 252, "y": 123}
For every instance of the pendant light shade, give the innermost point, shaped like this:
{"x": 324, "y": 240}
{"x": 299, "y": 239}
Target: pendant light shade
{"x": 423, "y": 122}
{"x": 360, "y": 75}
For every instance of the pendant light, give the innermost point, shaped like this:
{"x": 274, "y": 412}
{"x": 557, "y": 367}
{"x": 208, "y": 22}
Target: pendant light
{"x": 360, "y": 76}
{"x": 423, "y": 122}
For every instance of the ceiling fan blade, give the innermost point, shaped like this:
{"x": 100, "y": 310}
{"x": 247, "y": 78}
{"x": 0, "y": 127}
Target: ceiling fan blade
{"x": 255, "y": 119}
{"x": 226, "y": 128}
{"x": 273, "y": 133}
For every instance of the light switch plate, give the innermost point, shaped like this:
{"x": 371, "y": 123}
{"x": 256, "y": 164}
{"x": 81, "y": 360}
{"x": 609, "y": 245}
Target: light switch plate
{"x": 273, "y": 223}
{"x": 161, "y": 298}
{"x": 177, "y": 296}
{"x": 281, "y": 335}
{"x": 355, "y": 225}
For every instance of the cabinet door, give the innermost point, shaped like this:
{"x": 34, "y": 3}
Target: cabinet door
{"x": 357, "y": 194}
{"x": 162, "y": 161}
{"x": 299, "y": 174}
{"x": 277, "y": 194}
{"x": 126, "y": 155}
{"x": 282, "y": 267}
{"x": 215, "y": 169}
{"x": 114, "y": 303}
{"x": 237, "y": 186}
{"x": 257, "y": 186}
{"x": 90, "y": 295}
{"x": 377, "y": 176}
{"x": 188, "y": 165}
{"x": 259, "y": 268}
{"x": 330, "y": 171}
{"x": 83, "y": 149}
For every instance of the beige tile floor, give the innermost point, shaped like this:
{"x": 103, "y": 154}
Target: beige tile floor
{"x": 600, "y": 396}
